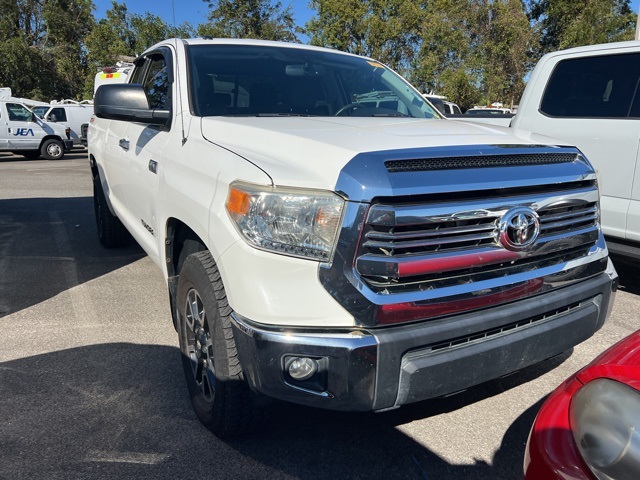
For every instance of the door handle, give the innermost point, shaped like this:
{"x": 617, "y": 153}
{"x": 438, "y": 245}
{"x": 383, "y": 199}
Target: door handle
{"x": 124, "y": 144}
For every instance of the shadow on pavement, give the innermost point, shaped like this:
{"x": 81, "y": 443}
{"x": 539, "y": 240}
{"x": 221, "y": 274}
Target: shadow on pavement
{"x": 122, "y": 411}
{"x": 49, "y": 245}
{"x": 629, "y": 271}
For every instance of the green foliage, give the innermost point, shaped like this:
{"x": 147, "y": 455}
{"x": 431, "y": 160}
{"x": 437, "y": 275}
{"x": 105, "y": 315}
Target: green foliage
{"x": 472, "y": 51}
{"x": 465, "y": 49}
{"x": 384, "y": 29}
{"x": 26, "y": 71}
{"x": 122, "y": 34}
{"x": 571, "y": 23}
{"x": 41, "y": 44}
{"x": 262, "y": 19}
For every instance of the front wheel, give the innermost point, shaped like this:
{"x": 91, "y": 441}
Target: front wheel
{"x": 219, "y": 393}
{"x": 52, "y": 149}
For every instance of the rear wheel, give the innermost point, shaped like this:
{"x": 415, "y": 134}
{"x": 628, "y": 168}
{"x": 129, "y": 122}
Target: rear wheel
{"x": 220, "y": 396}
{"x": 52, "y": 149}
{"x": 111, "y": 232}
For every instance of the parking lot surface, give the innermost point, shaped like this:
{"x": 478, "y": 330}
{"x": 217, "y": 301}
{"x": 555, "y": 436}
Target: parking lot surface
{"x": 91, "y": 384}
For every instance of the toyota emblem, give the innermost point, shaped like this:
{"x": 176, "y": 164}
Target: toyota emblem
{"x": 519, "y": 228}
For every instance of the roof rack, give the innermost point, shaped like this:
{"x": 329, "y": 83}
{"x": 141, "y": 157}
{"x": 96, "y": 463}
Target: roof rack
{"x": 68, "y": 101}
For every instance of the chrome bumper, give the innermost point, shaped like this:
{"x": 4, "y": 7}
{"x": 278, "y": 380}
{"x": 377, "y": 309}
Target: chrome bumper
{"x": 382, "y": 368}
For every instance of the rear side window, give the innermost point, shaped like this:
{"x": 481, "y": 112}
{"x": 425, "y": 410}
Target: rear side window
{"x": 593, "y": 87}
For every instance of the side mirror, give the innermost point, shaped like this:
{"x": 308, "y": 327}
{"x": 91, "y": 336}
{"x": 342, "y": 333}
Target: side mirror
{"x": 128, "y": 103}
{"x": 53, "y": 118}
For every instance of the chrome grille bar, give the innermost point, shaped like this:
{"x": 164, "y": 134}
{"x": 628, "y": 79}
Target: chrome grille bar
{"x": 420, "y": 244}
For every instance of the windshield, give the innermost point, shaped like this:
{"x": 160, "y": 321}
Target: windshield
{"x": 280, "y": 81}
{"x": 40, "y": 111}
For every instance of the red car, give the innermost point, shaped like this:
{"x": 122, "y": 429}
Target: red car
{"x": 589, "y": 427}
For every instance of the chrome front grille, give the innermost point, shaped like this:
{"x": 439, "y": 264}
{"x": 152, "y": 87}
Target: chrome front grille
{"x": 442, "y": 242}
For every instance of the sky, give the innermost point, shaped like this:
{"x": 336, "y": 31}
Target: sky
{"x": 195, "y": 11}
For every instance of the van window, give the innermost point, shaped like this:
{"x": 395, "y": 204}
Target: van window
{"x": 60, "y": 113}
{"x": 18, "y": 113}
{"x": 594, "y": 87}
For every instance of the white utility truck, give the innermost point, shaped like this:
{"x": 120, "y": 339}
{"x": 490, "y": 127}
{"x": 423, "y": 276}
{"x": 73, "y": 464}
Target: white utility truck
{"x": 22, "y": 132}
{"x": 328, "y": 239}
{"x": 68, "y": 113}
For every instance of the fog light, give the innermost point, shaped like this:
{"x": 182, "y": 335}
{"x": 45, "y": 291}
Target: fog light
{"x": 302, "y": 368}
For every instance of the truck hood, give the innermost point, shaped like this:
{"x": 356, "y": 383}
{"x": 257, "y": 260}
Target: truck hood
{"x": 311, "y": 151}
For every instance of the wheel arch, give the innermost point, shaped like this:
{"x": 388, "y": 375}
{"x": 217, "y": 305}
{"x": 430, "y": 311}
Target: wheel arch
{"x": 94, "y": 166}
{"x": 51, "y": 137}
{"x": 180, "y": 242}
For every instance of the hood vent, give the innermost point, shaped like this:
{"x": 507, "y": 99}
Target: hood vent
{"x": 477, "y": 161}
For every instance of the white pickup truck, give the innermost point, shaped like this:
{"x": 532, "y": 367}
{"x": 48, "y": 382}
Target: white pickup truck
{"x": 589, "y": 97}
{"x": 22, "y": 132}
{"x": 328, "y": 239}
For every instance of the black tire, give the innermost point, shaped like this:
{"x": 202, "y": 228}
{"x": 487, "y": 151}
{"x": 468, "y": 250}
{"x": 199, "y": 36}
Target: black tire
{"x": 31, "y": 154}
{"x": 220, "y": 396}
{"x": 52, "y": 149}
{"x": 111, "y": 231}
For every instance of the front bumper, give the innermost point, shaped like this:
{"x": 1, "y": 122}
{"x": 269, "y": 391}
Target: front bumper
{"x": 382, "y": 368}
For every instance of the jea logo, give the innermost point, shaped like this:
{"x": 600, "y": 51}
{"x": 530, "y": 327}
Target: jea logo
{"x": 23, "y": 132}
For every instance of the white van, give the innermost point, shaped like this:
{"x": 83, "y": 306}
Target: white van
{"x": 69, "y": 114}
{"x": 22, "y": 132}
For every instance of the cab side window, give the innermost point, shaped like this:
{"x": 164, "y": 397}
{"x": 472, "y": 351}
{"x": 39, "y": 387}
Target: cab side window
{"x": 602, "y": 86}
{"x": 138, "y": 72}
{"x": 156, "y": 83}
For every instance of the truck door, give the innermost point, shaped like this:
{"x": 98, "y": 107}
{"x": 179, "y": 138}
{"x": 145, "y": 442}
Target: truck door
{"x": 144, "y": 146}
{"x": 23, "y": 130}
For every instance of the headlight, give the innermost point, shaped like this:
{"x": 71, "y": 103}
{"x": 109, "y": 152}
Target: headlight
{"x": 300, "y": 223}
{"x": 605, "y": 420}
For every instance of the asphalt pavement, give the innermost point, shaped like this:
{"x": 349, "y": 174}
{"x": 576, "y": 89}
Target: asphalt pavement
{"x": 91, "y": 384}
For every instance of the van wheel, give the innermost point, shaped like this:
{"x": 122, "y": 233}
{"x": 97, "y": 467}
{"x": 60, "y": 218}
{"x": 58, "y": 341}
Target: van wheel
{"x": 52, "y": 149}
{"x": 31, "y": 154}
{"x": 111, "y": 232}
{"x": 220, "y": 396}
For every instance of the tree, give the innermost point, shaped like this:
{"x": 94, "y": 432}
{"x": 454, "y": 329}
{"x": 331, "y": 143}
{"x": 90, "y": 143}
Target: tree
{"x": 262, "y": 19}
{"x": 41, "y": 44}
{"x": 122, "y": 34}
{"x": 445, "y": 48}
{"x": 67, "y": 22}
{"x": 570, "y": 23}
{"x": 383, "y": 29}
{"x": 505, "y": 46}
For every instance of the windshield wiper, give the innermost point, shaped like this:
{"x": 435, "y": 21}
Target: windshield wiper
{"x": 284, "y": 115}
{"x": 391, "y": 115}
